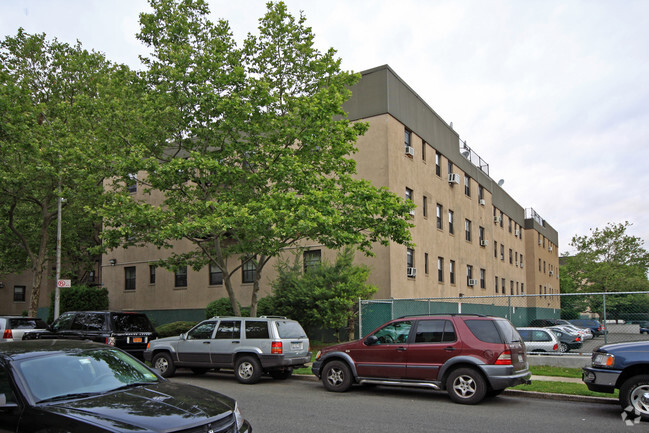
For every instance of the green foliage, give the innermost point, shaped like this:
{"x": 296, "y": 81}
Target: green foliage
{"x": 79, "y": 298}
{"x": 223, "y": 307}
{"x": 266, "y": 306}
{"x": 260, "y": 153}
{"x": 325, "y": 296}
{"x": 174, "y": 328}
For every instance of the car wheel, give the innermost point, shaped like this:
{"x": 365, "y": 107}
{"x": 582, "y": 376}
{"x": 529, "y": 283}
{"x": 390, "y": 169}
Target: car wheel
{"x": 247, "y": 370}
{"x": 563, "y": 348}
{"x": 466, "y": 386}
{"x": 634, "y": 395}
{"x": 281, "y": 374}
{"x": 164, "y": 364}
{"x": 199, "y": 370}
{"x": 337, "y": 376}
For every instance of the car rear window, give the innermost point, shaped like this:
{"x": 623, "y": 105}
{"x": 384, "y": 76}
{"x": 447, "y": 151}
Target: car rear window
{"x": 128, "y": 322}
{"x": 256, "y": 329}
{"x": 485, "y": 330}
{"x": 26, "y": 323}
{"x": 290, "y": 329}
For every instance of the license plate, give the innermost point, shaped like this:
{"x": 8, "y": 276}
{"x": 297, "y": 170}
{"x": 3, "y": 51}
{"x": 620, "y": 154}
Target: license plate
{"x": 137, "y": 340}
{"x": 296, "y": 346}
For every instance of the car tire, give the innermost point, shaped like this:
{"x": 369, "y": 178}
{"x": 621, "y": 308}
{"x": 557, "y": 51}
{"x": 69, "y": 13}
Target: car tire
{"x": 164, "y": 364}
{"x": 281, "y": 374}
{"x": 199, "y": 370}
{"x": 337, "y": 376}
{"x": 563, "y": 348}
{"x": 494, "y": 392}
{"x": 466, "y": 386}
{"x": 247, "y": 370}
{"x": 631, "y": 395}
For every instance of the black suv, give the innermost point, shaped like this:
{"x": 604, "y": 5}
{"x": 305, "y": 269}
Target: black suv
{"x": 470, "y": 356}
{"x": 130, "y": 331}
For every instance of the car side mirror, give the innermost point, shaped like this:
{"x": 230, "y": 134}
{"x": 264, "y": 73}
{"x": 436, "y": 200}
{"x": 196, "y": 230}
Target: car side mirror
{"x": 371, "y": 340}
{"x": 183, "y": 336}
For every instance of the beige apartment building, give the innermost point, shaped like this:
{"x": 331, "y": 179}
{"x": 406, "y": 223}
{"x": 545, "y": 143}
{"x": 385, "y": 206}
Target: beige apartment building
{"x": 471, "y": 238}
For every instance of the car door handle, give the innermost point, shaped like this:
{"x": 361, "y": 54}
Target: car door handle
{"x": 401, "y": 349}
{"x": 235, "y": 342}
{"x": 450, "y": 349}
{"x": 206, "y": 342}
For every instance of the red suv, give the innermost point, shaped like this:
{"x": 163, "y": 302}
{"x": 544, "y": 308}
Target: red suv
{"x": 470, "y": 356}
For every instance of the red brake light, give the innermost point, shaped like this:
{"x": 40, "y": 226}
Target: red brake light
{"x": 555, "y": 347}
{"x": 505, "y": 358}
{"x": 7, "y": 334}
{"x": 276, "y": 348}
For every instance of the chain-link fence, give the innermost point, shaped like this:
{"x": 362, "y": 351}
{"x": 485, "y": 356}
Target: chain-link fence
{"x": 623, "y": 316}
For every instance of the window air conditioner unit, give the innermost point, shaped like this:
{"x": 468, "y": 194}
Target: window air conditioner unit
{"x": 518, "y": 232}
{"x": 551, "y": 273}
{"x": 412, "y": 272}
{"x": 473, "y": 282}
{"x": 550, "y": 249}
{"x": 410, "y": 151}
{"x": 496, "y": 219}
{"x": 412, "y": 212}
{"x": 454, "y": 178}
{"x": 482, "y": 202}
{"x": 484, "y": 243}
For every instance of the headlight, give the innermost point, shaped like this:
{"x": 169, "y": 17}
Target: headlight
{"x": 237, "y": 416}
{"x": 604, "y": 360}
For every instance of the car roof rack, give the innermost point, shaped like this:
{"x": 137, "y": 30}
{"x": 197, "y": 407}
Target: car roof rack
{"x": 443, "y": 314}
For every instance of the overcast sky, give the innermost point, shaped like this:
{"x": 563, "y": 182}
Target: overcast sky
{"x": 553, "y": 95}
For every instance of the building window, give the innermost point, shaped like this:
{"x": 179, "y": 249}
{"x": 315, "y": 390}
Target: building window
{"x": 511, "y": 287}
{"x": 467, "y": 230}
{"x": 495, "y": 249}
{"x": 517, "y": 288}
{"x": 467, "y": 185}
{"x": 180, "y": 277}
{"x": 408, "y": 194}
{"x": 248, "y": 270}
{"x": 91, "y": 276}
{"x": 439, "y": 216}
{"x": 426, "y": 263}
{"x": 19, "y": 293}
{"x": 423, "y": 149}
{"x": 450, "y": 167}
{"x": 132, "y": 182}
{"x": 406, "y": 138}
{"x": 496, "y": 285}
{"x": 522, "y": 288}
{"x": 516, "y": 258}
{"x": 509, "y": 223}
{"x": 481, "y": 235}
{"x": 521, "y": 260}
{"x": 483, "y": 274}
{"x": 511, "y": 257}
{"x": 502, "y": 252}
{"x": 216, "y": 275}
{"x": 410, "y": 258}
{"x": 129, "y": 278}
{"x": 451, "y": 230}
{"x": 152, "y": 269}
{"x": 452, "y": 272}
{"x": 425, "y": 210}
{"x": 469, "y": 274}
{"x": 312, "y": 259}
{"x": 502, "y": 217}
{"x": 502, "y": 285}
{"x": 480, "y": 193}
{"x": 438, "y": 163}
{"x": 440, "y": 269}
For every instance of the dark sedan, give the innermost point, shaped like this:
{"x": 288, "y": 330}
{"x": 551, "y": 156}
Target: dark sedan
{"x": 79, "y": 386}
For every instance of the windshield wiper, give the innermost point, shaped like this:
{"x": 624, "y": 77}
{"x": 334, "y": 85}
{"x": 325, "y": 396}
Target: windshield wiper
{"x": 69, "y": 396}
{"x": 131, "y": 385}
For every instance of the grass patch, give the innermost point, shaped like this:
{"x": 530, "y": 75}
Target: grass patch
{"x": 541, "y": 370}
{"x": 563, "y": 388}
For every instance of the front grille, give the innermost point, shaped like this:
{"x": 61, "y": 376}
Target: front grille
{"x": 223, "y": 425}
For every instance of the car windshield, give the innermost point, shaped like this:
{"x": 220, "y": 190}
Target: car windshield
{"x": 70, "y": 375}
{"x": 129, "y": 322}
{"x": 290, "y": 329}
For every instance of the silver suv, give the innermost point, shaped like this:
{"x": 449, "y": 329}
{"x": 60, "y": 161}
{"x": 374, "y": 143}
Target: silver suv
{"x": 249, "y": 345}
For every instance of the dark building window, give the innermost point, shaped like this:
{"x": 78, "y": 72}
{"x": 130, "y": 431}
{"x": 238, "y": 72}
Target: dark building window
{"x": 129, "y": 278}
{"x": 248, "y": 271}
{"x": 452, "y": 271}
{"x": 180, "y": 277}
{"x": 312, "y": 259}
{"x": 152, "y": 269}
{"x": 216, "y": 275}
{"x": 19, "y": 293}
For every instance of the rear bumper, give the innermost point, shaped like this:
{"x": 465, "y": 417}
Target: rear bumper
{"x": 282, "y": 361}
{"x": 504, "y": 376}
{"x": 599, "y": 379}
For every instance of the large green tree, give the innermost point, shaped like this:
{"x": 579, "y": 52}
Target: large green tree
{"x": 257, "y": 152}
{"x": 61, "y": 133}
{"x": 607, "y": 260}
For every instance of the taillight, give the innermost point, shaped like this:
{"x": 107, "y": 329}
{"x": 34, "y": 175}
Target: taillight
{"x": 505, "y": 358}
{"x": 276, "y": 348}
{"x": 7, "y": 334}
{"x": 555, "y": 347}
{"x": 578, "y": 339}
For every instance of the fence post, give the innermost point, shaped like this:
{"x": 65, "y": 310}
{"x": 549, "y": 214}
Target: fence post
{"x": 360, "y": 318}
{"x": 604, "y": 314}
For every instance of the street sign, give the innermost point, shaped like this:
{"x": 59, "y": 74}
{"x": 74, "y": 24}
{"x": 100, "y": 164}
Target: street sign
{"x": 64, "y": 283}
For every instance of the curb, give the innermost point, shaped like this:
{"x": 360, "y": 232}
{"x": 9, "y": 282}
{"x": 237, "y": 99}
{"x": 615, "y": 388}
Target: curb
{"x": 519, "y": 393}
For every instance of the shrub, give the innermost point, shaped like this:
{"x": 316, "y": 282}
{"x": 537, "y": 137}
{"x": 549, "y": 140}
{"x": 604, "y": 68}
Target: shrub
{"x": 223, "y": 307}
{"x": 79, "y": 298}
{"x": 174, "y": 328}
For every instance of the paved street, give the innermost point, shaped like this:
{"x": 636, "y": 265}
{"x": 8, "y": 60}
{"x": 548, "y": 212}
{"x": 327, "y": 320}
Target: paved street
{"x": 299, "y": 405}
